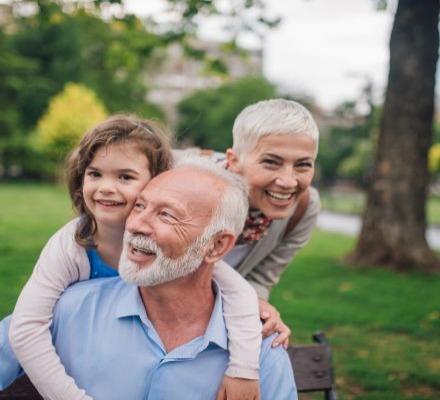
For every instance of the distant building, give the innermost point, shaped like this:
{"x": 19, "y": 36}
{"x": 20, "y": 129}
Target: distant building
{"x": 6, "y": 14}
{"x": 177, "y": 75}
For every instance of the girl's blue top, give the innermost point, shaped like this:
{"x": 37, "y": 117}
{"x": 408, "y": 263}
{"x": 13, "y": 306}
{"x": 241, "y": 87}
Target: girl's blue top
{"x": 98, "y": 269}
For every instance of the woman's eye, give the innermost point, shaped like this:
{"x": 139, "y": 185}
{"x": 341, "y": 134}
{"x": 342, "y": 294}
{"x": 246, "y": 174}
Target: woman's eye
{"x": 269, "y": 161}
{"x": 305, "y": 164}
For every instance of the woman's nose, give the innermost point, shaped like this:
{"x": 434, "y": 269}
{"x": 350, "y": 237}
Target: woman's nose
{"x": 287, "y": 179}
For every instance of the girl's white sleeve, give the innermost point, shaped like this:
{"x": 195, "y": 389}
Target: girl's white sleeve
{"x": 61, "y": 263}
{"x": 240, "y": 309}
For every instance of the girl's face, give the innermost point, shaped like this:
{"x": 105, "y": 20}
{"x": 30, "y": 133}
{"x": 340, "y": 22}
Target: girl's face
{"x": 112, "y": 182}
{"x": 278, "y": 170}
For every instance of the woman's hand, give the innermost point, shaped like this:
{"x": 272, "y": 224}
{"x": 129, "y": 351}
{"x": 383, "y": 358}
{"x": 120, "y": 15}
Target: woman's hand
{"x": 272, "y": 323}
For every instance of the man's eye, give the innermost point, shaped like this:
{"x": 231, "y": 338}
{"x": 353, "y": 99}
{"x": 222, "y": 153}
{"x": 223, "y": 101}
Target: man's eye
{"x": 167, "y": 215}
{"x": 139, "y": 207}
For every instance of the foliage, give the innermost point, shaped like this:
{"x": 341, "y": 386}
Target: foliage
{"x": 434, "y": 158}
{"x": 99, "y": 44}
{"x": 383, "y": 347}
{"x": 207, "y": 116}
{"x": 346, "y": 150}
{"x": 69, "y": 115}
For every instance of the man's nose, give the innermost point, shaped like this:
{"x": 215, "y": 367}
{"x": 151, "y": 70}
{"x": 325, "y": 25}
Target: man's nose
{"x": 139, "y": 223}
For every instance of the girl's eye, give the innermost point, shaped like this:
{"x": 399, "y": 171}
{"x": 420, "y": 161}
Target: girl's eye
{"x": 126, "y": 177}
{"x": 93, "y": 174}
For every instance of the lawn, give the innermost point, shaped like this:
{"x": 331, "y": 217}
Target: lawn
{"x": 384, "y": 327}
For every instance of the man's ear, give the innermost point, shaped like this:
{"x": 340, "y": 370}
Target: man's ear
{"x": 233, "y": 162}
{"x": 220, "y": 244}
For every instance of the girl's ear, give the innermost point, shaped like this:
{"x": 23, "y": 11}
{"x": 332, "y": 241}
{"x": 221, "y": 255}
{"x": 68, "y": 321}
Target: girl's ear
{"x": 233, "y": 162}
{"x": 221, "y": 243}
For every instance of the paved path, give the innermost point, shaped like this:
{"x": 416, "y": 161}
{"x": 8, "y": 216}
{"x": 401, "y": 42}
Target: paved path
{"x": 351, "y": 225}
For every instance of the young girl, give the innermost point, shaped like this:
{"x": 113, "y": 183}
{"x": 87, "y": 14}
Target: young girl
{"x": 111, "y": 165}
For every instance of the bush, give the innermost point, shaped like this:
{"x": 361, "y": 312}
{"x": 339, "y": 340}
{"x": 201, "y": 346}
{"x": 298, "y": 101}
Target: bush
{"x": 69, "y": 115}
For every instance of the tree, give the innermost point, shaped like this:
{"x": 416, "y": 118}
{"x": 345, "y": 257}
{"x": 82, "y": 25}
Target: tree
{"x": 207, "y": 116}
{"x": 394, "y": 223}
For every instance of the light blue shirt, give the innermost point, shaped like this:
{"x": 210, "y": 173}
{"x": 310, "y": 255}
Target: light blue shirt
{"x": 109, "y": 346}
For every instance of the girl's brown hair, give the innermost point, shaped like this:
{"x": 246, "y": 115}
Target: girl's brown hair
{"x": 151, "y": 139}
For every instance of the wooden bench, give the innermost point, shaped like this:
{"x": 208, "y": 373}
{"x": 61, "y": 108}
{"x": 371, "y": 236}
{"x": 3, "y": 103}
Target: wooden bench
{"x": 312, "y": 365}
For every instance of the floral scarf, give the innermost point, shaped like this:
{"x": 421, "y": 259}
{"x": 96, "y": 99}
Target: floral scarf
{"x": 255, "y": 227}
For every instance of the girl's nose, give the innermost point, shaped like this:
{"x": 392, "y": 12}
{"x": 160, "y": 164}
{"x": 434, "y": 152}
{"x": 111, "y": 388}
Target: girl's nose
{"x": 107, "y": 187}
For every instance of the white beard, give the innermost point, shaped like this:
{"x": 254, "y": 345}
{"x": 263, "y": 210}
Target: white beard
{"x": 163, "y": 269}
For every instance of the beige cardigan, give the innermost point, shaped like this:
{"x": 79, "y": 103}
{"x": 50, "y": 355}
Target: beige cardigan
{"x": 272, "y": 254}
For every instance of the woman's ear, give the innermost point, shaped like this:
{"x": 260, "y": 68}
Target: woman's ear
{"x": 233, "y": 162}
{"x": 220, "y": 244}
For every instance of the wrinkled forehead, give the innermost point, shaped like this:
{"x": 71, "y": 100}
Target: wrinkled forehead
{"x": 190, "y": 188}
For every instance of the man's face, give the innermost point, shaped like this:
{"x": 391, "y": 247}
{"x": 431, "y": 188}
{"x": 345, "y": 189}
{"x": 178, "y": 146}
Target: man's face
{"x": 171, "y": 213}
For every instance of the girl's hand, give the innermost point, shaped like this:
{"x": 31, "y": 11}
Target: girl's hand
{"x": 272, "y": 323}
{"x": 238, "y": 389}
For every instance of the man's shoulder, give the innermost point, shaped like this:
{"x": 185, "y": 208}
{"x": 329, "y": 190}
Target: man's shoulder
{"x": 91, "y": 289}
{"x": 267, "y": 349}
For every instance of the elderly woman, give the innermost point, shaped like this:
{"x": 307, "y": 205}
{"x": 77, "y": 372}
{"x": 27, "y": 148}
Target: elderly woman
{"x": 275, "y": 143}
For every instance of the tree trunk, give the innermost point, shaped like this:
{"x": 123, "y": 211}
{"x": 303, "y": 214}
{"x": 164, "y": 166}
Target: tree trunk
{"x": 394, "y": 223}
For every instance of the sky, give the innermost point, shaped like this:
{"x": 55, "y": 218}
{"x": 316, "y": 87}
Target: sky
{"x": 326, "y": 49}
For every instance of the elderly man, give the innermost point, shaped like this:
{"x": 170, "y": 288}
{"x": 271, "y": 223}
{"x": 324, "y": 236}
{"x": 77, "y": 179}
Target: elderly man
{"x": 159, "y": 332}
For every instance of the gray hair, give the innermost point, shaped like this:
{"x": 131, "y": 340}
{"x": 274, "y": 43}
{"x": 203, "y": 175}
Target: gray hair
{"x": 271, "y": 117}
{"x": 231, "y": 211}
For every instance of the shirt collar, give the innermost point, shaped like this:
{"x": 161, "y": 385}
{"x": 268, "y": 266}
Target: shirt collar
{"x": 130, "y": 304}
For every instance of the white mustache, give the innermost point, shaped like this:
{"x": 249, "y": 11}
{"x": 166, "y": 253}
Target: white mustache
{"x": 142, "y": 243}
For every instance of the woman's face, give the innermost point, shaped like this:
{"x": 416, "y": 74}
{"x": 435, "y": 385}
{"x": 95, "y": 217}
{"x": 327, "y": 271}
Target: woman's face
{"x": 278, "y": 170}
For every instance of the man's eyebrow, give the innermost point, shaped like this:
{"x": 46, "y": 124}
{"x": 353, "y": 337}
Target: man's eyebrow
{"x": 141, "y": 198}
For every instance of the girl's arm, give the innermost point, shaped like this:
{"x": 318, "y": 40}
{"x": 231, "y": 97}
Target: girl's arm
{"x": 240, "y": 309}
{"x": 61, "y": 263}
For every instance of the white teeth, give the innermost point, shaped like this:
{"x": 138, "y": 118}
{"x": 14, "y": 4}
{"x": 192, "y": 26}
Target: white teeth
{"x": 278, "y": 196}
{"x": 109, "y": 203}
{"x": 145, "y": 251}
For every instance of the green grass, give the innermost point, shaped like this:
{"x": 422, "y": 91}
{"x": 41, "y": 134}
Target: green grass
{"x": 30, "y": 215}
{"x": 384, "y": 327}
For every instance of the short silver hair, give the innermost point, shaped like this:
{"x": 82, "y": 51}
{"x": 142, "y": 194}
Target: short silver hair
{"x": 232, "y": 209}
{"x": 271, "y": 117}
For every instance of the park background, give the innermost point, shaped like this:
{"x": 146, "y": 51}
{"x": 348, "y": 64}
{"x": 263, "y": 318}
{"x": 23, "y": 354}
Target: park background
{"x": 65, "y": 65}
